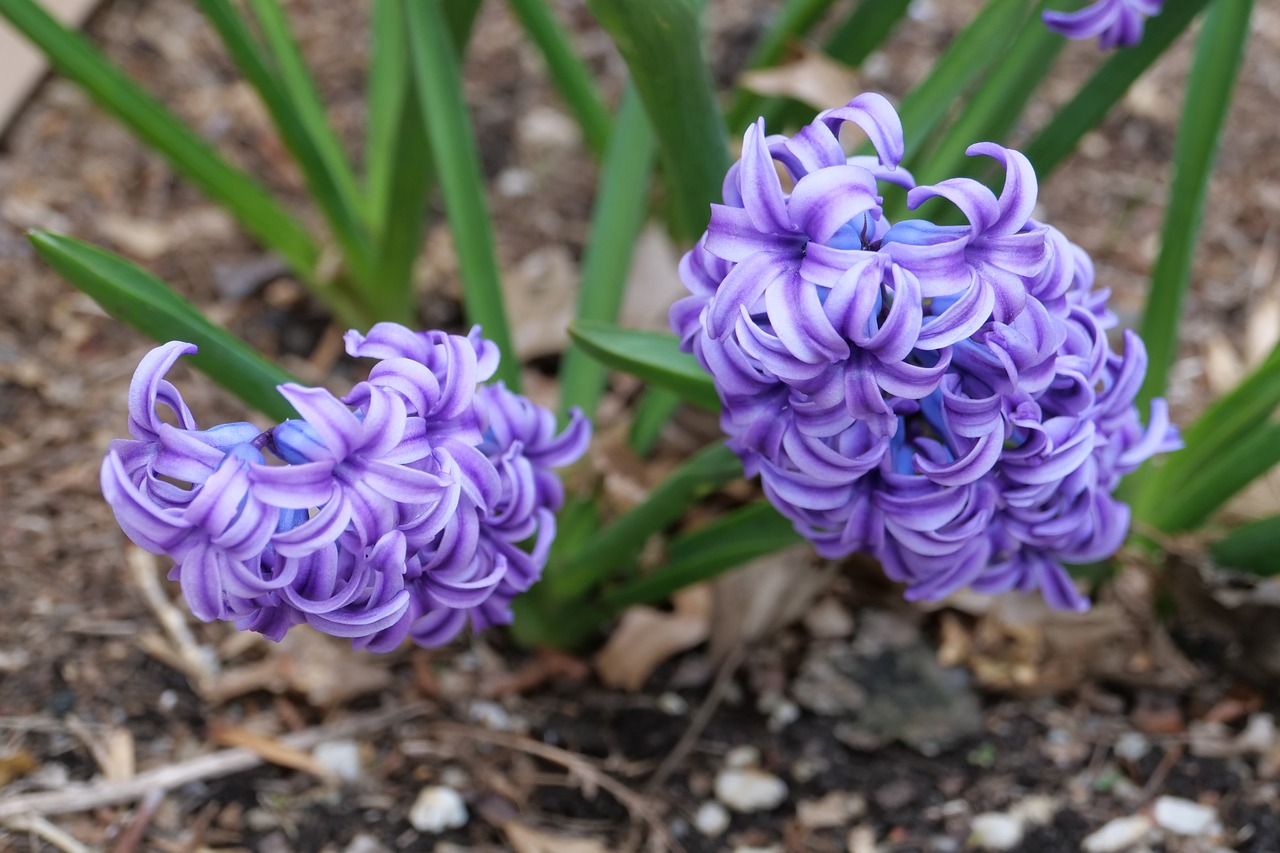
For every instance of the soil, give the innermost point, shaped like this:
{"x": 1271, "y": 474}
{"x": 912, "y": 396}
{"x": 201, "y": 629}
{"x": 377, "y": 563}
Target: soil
{"x": 96, "y": 686}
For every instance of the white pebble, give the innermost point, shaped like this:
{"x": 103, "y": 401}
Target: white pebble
{"x": 711, "y": 819}
{"x": 438, "y": 808}
{"x": 673, "y": 704}
{"x": 1119, "y": 835}
{"x": 742, "y": 756}
{"x": 1184, "y": 817}
{"x": 1132, "y": 746}
{"x": 1035, "y": 810}
{"x": 995, "y": 831}
{"x": 750, "y": 790}
{"x": 340, "y": 756}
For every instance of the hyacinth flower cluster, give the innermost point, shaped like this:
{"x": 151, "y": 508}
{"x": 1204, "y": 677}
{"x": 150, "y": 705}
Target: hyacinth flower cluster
{"x": 401, "y": 510}
{"x": 943, "y": 397}
{"x": 1116, "y": 23}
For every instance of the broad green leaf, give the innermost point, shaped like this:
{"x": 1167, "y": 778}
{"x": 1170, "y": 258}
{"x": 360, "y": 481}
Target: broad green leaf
{"x": 652, "y": 413}
{"x": 1228, "y": 422}
{"x": 661, "y": 43}
{"x": 614, "y": 549}
{"x": 78, "y": 60}
{"x": 1219, "y": 51}
{"x": 792, "y": 22}
{"x": 330, "y": 178}
{"x": 617, "y": 216}
{"x": 569, "y": 74}
{"x": 654, "y": 357}
{"x": 743, "y": 535}
{"x": 1107, "y": 86}
{"x": 1205, "y": 490}
{"x": 453, "y": 147}
{"x": 146, "y": 303}
{"x": 1253, "y": 547}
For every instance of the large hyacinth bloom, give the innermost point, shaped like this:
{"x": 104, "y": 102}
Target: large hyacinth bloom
{"x": 945, "y": 398}
{"x": 420, "y": 502}
{"x": 1116, "y": 23}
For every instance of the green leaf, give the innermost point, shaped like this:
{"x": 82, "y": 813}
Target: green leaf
{"x": 1206, "y": 490}
{"x": 1253, "y": 547}
{"x": 1228, "y": 423}
{"x": 453, "y": 147}
{"x": 981, "y": 44}
{"x": 994, "y": 107}
{"x": 1107, "y": 86}
{"x": 746, "y": 534}
{"x": 651, "y": 414}
{"x": 570, "y": 75}
{"x": 792, "y": 22}
{"x": 617, "y": 216}
{"x": 1219, "y": 51}
{"x": 79, "y": 61}
{"x": 654, "y": 357}
{"x": 327, "y": 169}
{"x": 661, "y": 43}
{"x": 864, "y": 30}
{"x": 146, "y": 303}
{"x": 614, "y": 549}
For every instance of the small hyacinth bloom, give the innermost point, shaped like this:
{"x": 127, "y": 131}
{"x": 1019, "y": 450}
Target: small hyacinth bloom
{"x": 1116, "y": 23}
{"x": 419, "y": 502}
{"x": 942, "y": 397}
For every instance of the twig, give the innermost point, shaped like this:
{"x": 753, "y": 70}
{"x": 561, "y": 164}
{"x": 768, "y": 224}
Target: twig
{"x": 700, "y": 718}
{"x": 587, "y": 773}
{"x": 78, "y": 798}
{"x": 195, "y": 661}
{"x": 132, "y": 837}
{"x": 37, "y": 825}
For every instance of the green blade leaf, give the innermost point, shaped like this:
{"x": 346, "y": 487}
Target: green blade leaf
{"x": 970, "y": 54}
{"x": 661, "y": 43}
{"x": 1206, "y": 490}
{"x": 652, "y": 413}
{"x": 743, "y": 535}
{"x": 616, "y": 218}
{"x": 570, "y": 75}
{"x": 78, "y": 60}
{"x": 453, "y": 148}
{"x": 1107, "y": 86}
{"x": 330, "y": 178}
{"x": 615, "y": 548}
{"x": 1252, "y": 547}
{"x": 795, "y": 19}
{"x": 146, "y": 303}
{"x": 1219, "y": 51}
{"x": 655, "y": 357}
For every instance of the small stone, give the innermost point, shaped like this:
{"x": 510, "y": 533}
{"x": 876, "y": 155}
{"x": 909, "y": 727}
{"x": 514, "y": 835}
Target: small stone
{"x": 1119, "y": 835}
{"x": 829, "y": 620}
{"x": 742, "y": 756}
{"x": 1132, "y": 746}
{"x": 862, "y": 839}
{"x": 673, "y": 704}
{"x": 438, "y": 808}
{"x": 365, "y": 844}
{"x": 1036, "y": 810}
{"x": 995, "y": 831}
{"x": 1184, "y": 817}
{"x": 748, "y": 789}
{"x": 340, "y": 756}
{"x": 712, "y": 819}
{"x": 784, "y": 713}
{"x": 837, "y": 808}
{"x": 749, "y": 848}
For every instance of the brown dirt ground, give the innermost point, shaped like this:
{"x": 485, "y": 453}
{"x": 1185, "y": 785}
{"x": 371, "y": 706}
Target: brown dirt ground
{"x": 92, "y": 683}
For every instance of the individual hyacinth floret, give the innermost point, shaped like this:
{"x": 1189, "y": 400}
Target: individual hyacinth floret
{"x": 944, "y": 397}
{"x": 1116, "y": 23}
{"x": 420, "y": 501}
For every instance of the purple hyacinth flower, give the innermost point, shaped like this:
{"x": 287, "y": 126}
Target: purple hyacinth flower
{"x": 942, "y": 397}
{"x": 416, "y": 504}
{"x": 1116, "y": 23}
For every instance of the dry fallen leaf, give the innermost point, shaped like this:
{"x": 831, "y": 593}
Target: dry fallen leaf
{"x": 326, "y": 671}
{"x": 526, "y": 839}
{"x": 764, "y": 596}
{"x": 653, "y": 282}
{"x": 273, "y": 751}
{"x": 541, "y": 292}
{"x": 645, "y": 637}
{"x": 814, "y": 79}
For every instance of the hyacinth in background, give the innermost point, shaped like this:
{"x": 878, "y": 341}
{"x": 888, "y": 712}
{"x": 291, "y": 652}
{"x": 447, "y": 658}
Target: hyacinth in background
{"x": 1116, "y": 23}
{"x": 398, "y": 511}
{"x": 942, "y": 397}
